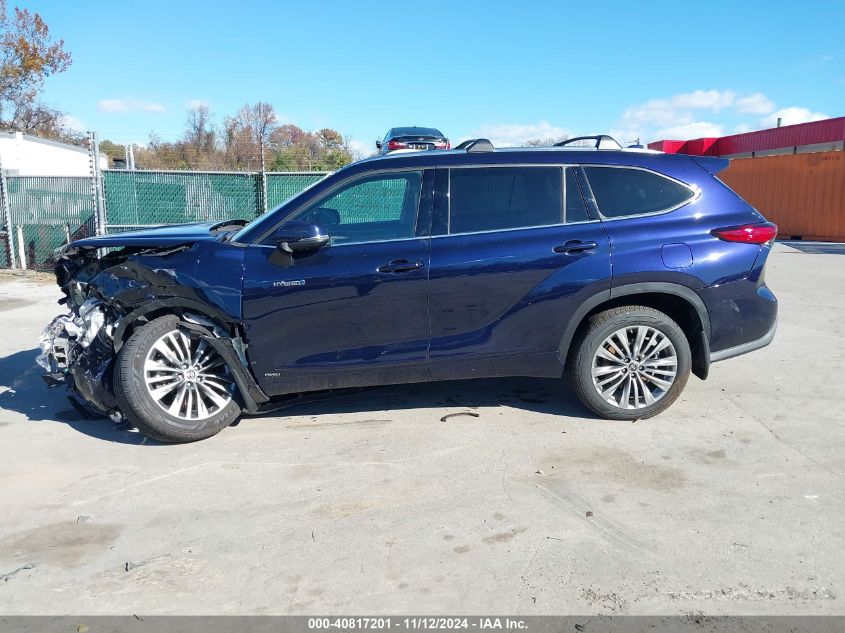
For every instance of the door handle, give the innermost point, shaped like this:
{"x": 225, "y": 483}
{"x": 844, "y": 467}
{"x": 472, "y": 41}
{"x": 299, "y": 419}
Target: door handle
{"x": 574, "y": 247}
{"x": 400, "y": 266}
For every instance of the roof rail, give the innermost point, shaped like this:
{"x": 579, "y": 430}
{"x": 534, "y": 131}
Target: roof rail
{"x": 602, "y": 141}
{"x": 477, "y": 145}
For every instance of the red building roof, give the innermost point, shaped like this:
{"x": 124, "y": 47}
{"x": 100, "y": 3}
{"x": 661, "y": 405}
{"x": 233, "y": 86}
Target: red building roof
{"x": 826, "y": 131}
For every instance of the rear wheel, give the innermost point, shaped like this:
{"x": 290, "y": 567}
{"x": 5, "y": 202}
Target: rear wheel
{"x": 172, "y": 385}
{"x": 631, "y": 362}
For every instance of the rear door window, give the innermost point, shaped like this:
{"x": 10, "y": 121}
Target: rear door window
{"x": 623, "y": 191}
{"x": 576, "y": 210}
{"x": 496, "y": 198}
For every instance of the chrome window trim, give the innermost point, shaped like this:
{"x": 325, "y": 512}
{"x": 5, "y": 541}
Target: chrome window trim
{"x": 351, "y": 179}
{"x": 520, "y": 228}
{"x": 696, "y": 192}
{"x": 398, "y": 239}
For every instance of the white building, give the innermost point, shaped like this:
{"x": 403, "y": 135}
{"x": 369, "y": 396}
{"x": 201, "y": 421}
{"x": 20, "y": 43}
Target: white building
{"x": 27, "y": 155}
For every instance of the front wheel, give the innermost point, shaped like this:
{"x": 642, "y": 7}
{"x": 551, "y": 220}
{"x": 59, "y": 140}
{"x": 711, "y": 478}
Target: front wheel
{"x": 631, "y": 362}
{"x": 172, "y": 385}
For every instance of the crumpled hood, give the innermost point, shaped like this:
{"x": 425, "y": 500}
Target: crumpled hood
{"x": 159, "y": 236}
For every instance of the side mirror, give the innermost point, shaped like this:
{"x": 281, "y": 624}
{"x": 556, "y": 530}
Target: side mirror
{"x": 300, "y": 236}
{"x": 378, "y": 144}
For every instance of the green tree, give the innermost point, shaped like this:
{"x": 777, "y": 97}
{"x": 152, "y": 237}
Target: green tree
{"x": 112, "y": 150}
{"x": 28, "y": 55}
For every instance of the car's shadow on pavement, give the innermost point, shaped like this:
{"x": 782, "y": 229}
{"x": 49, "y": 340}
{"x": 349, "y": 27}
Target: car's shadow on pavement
{"x": 540, "y": 395}
{"x": 27, "y": 394}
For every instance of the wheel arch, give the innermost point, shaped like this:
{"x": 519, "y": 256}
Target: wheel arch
{"x": 680, "y": 303}
{"x": 160, "y": 307}
{"x": 230, "y": 348}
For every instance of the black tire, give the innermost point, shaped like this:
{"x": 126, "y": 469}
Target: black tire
{"x": 140, "y": 408}
{"x": 598, "y": 329}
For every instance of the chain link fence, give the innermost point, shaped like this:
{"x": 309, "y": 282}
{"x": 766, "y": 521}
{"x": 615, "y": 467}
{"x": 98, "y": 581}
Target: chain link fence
{"x": 140, "y": 198}
{"x": 39, "y": 214}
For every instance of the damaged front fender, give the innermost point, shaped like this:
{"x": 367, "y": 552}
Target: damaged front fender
{"x": 110, "y": 295}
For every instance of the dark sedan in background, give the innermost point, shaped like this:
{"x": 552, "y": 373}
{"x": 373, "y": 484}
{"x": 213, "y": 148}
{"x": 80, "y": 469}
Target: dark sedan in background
{"x": 412, "y": 138}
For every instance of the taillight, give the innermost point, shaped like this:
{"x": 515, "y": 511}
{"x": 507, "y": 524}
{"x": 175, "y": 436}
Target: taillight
{"x": 396, "y": 145}
{"x": 442, "y": 145}
{"x": 748, "y": 233}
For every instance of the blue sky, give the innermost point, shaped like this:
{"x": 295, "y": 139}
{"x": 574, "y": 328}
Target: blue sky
{"x": 506, "y": 70}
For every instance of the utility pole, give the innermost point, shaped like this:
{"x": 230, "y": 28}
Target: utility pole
{"x": 131, "y": 163}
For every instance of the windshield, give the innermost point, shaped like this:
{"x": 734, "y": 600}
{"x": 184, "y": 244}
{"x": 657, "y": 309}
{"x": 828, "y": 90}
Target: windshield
{"x": 416, "y": 131}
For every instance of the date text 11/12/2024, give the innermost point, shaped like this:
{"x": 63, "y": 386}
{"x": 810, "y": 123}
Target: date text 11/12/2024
{"x": 417, "y": 623}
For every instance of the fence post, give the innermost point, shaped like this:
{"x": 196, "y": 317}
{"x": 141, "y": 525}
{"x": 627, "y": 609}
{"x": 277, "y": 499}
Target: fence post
{"x": 92, "y": 173}
{"x": 96, "y": 184}
{"x": 101, "y": 201}
{"x": 7, "y": 216}
{"x": 21, "y": 248}
{"x": 262, "y": 207}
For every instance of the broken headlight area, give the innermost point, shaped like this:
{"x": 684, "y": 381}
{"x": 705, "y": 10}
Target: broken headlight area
{"x": 108, "y": 296}
{"x": 77, "y": 348}
{"x": 77, "y": 351}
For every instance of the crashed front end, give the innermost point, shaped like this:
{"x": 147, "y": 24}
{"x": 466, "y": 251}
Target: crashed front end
{"x": 78, "y": 348}
{"x": 114, "y": 284}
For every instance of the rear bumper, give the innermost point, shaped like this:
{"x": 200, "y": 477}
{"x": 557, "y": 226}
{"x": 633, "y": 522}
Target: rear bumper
{"x": 744, "y": 348}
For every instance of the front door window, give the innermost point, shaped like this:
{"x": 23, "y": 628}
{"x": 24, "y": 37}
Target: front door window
{"x": 373, "y": 209}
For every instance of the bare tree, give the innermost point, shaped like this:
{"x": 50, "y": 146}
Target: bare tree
{"x": 248, "y": 132}
{"x": 545, "y": 142}
{"x": 200, "y": 133}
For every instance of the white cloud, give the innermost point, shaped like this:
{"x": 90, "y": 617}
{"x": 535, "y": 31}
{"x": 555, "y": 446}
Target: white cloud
{"x": 72, "y": 123}
{"x": 515, "y": 134}
{"x": 691, "y": 115}
{"x": 793, "y": 115}
{"x": 677, "y": 109}
{"x": 123, "y": 106}
{"x": 693, "y": 129}
{"x": 758, "y": 103}
{"x": 361, "y": 149}
{"x": 112, "y": 105}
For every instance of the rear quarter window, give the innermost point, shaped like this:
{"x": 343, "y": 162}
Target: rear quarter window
{"x": 622, "y": 191}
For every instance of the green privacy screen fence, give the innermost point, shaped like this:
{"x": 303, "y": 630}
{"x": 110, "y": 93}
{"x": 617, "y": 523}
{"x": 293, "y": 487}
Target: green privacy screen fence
{"x": 142, "y": 198}
{"x": 47, "y": 209}
{"x": 40, "y": 213}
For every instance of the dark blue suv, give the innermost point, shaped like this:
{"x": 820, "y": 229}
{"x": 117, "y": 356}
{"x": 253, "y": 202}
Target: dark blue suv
{"x": 622, "y": 270}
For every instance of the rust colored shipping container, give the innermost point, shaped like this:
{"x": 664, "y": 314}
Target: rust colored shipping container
{"x": 804, "y": 194}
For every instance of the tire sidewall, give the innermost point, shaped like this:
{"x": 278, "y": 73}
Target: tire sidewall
{"x": 139, "y": 406}
{"x": 595, "y": 337}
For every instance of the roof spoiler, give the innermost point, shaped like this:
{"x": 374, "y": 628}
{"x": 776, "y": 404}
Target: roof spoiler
{"x": 712, "y": 164}
{"x": 477, "y": 145}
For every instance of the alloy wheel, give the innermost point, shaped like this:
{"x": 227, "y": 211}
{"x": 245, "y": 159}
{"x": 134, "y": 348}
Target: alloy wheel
{"x": 634, "y": 367}
{"x": 186, "y": 377}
